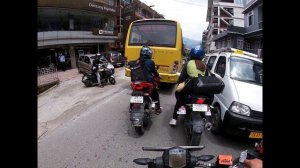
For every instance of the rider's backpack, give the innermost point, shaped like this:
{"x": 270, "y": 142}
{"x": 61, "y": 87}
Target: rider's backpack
{"x": 138, "y": 71}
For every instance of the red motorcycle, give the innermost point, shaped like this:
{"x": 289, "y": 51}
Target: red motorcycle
{"x": 141, "y": 104}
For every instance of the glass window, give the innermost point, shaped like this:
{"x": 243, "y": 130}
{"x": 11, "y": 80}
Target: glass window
{"x": 153, "y": 33}
{"x": 221, "y": 66}
{"x": 246, "y": 70}
{"x": 87, "y": 60}
{"x": 240, "y": 44}
{"x": 250, "y": 18}
{"x": 211, "y": 62}
{"x": 238, "y": 1}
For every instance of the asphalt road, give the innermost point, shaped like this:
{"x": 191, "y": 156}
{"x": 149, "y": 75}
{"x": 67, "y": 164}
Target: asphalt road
{"x": 97, "y": 132}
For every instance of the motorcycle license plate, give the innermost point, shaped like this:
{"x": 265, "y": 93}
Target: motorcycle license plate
{"x": 200, "y": 107}
{"x": 256, "y": 135}
{"x": 136, "y": 99}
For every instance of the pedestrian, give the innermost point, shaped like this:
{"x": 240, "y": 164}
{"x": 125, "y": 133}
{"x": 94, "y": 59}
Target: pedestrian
{"x": 62, "y": 61}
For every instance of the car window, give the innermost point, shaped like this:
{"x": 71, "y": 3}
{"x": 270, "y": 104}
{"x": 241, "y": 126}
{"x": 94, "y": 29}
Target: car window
{"x": 211, "y": 61}
{"x": 103, "y": 59}
{"x": 87, "y": 60}
{"x": 246, "y": 70}
{"x": 221, "y": 66}
{"x": 205, "y": 59}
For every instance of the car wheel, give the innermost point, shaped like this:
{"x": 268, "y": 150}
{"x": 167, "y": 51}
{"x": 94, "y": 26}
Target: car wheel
{"x": 216, "y": 120}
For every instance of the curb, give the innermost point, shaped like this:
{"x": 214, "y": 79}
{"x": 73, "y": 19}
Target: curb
{"x": 48, "y": 90}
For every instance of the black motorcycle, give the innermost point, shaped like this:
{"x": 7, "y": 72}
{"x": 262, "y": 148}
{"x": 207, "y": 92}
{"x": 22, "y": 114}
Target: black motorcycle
{"x": 106, "y": 71}
{"x": 180, "y": 156}
{"x": 197, "y": 115}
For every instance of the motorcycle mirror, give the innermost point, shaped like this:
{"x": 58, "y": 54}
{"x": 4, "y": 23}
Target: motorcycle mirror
{"x": 205, "y": 158}
{"x": 142, "y": 161}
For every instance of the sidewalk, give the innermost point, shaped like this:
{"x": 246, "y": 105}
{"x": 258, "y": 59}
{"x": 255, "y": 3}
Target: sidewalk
{"x": 68, "y": 74}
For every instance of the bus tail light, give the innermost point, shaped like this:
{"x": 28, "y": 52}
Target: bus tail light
{"x": 175, "y": 67}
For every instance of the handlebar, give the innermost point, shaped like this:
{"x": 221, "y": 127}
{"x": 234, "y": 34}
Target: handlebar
{"x": 179, "y": 156}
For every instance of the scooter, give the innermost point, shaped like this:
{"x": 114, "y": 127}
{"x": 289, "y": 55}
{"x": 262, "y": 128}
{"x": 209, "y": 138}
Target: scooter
{"x": 106, "y": 71}
{"x": 141, "y": 105}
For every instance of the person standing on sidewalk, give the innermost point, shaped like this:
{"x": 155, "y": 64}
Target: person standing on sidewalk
{"x": 62, "y": 61}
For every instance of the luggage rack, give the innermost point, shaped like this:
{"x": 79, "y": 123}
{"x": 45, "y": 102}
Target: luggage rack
{"x": 237, "y": 51}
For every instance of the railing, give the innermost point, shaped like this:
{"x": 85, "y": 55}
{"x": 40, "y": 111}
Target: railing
{"x": 47, "y": 75}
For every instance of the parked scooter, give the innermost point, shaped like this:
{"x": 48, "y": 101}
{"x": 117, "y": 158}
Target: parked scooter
{"x": 106, "y": 71}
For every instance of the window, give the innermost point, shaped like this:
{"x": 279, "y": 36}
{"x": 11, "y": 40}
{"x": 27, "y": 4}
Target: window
{"x": 250, "y": 18}
{"x": 240, "y": 44}
{"x": 221, "y": 66}
{"x": 246, "y": 70}
{"x": 247, "y": 1}
{"x": 238, "y": 1}
{"x": 111, "y": 2}
{"x": 211, "y": 61}
{"x": 229, "y": 42}
{"x": 247, "y": 46}
{"x": 87, "y": 60}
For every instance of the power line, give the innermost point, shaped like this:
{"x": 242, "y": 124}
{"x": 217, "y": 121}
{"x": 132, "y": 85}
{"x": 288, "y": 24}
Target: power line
{"x": 189, "y": 3}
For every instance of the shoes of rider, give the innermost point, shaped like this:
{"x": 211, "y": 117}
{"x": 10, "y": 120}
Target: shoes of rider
{"x": 158, "y": 111}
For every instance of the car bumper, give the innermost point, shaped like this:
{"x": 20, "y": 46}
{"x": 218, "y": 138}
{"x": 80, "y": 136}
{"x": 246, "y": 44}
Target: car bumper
{"x": 164, "y": 77}
{"x": 242, "y": 125}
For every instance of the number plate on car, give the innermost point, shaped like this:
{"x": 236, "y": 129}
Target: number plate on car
{"x": 256, "y": 135}
{"x": 136, "y": 99}
{"x": 200, "y": 107}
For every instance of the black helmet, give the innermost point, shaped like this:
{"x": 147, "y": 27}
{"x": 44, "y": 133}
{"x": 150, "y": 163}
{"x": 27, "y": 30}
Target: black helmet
{"x": 146, "y": 52}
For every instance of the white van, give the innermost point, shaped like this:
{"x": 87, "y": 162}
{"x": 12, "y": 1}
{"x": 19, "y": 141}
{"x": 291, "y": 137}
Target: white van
{"x": 238, "y": 109}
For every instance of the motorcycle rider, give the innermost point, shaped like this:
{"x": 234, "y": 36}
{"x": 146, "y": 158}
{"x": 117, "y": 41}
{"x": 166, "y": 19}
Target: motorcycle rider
{"x": 95, "y": 66}
{"x": 193, "y": 68}
{"x": 145, "y": 58}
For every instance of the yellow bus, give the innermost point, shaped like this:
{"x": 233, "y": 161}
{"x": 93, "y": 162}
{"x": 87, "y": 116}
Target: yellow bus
{"x": 164, "y": 37}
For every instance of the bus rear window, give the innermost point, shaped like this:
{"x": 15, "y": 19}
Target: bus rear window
{"x": 153, "y": 34}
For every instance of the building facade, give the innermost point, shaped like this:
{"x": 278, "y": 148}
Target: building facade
{"x": 222, "y": 14}
{"x": 76, "y": 27}
{"x": 135, "y": 11}
{"x": 248, "y": 37}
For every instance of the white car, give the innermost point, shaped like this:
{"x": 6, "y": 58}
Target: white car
{"x": 239, "y": 107}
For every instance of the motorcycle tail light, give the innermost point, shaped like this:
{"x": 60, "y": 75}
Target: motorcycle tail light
{"x": 200, "y": 101}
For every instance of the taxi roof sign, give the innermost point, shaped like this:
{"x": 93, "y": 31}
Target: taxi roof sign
{"x": 237, "y": 51}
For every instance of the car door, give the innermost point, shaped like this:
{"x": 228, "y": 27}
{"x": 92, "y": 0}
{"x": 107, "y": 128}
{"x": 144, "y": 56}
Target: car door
{"x": 219, "y": 69}
{"x": 87, "y": 64}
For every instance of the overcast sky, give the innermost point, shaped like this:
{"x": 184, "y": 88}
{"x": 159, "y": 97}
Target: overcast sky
{"x": 190, "y": 13}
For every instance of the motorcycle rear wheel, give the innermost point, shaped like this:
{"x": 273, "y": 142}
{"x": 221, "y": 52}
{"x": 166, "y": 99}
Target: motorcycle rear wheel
{"x": 140, "y": 130}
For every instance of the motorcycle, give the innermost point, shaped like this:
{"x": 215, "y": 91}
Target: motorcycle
{"x": 106, "y": 71}
{"x": 198, "y": 106}
{"x": 180, "y": 156}
{"x": 142, "y": 107}
{"x": 197, "y": 116}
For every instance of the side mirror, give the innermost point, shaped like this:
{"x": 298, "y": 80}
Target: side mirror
{"x": 143, "y": 161}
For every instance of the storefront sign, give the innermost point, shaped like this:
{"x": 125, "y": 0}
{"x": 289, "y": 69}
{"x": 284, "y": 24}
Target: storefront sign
{"x": 101, "y": 7}
{"x": 106, "y": 32}
{"x": 90, "y": 5}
